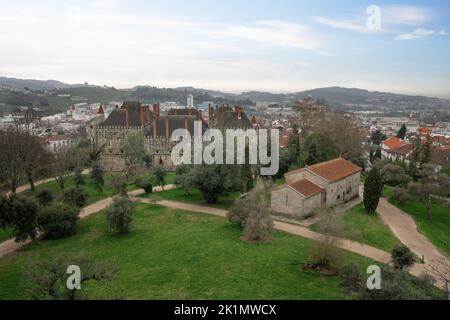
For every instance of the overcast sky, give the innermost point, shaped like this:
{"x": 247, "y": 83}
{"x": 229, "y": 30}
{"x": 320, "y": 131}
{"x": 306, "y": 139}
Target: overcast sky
{"x": 277, "y": 46}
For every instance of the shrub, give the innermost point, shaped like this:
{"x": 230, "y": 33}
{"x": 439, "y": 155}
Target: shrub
{"x": 399, "y": 285}
{"x": 402, "y": 257}
{"x": 47, "y": 279}
{"x": 119, "y": 184}
{"x": 23, "y": 217}
{"x": 120, "y": 214}
{"x": 44, "y": 197}
{"x": 76, "y": 196}
{"x": 324, "y": 253}
{"x": 401, "y": 195}
{"x": 351, "y": 277}
{"x": 79, "y": 178}
{"x": 159, "y": 174}
{"x": 5, "y": 212}
{"x": 146, "y": 182}
{"x": 58, "y": 220}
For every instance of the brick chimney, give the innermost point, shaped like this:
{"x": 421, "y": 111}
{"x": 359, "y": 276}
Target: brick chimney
{"x": 155, "y": 126}
{"x": 127, "y": 120}
{"x": 166, "y": 124}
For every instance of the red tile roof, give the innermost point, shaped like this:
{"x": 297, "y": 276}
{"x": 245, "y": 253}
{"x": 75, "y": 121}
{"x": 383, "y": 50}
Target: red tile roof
{"x": 306, "y": 187}
{"x": 403, "y": 150}
{"x": 394, "y": 143}
{"x": 424, "y": 130}
{"x": 335, "y": 170}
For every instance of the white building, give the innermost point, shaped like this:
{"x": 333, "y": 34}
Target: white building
{"x": 190, "y": 100}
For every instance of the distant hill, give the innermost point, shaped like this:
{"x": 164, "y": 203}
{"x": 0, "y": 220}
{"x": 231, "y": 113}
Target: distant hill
{"x": 34, "y": 84}
{"x": 59, "y": 95}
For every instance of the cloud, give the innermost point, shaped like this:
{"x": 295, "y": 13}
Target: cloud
{"x": 302, "y": 64}
{"x": 276, "y": 33}
{"x": 410, "y": 15}
{"x": 443, "y": 33}
{"x": 416, "y": 34}
{"x": 341, "y": 24}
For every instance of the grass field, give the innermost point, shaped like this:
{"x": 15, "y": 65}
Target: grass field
{"x": 195, "y": 197}
{"x": 174, "y": 254}
{"x": 438, "y": 229}
{"x": 6, "y": 234}
{"x": 94, "y": 194}
{"x": 366, "y": 228}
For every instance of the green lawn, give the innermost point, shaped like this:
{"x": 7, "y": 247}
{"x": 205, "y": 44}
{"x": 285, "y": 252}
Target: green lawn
{"x": 366, "y": 228}
{"x": 94, "y": 194}
{"x": 369, "y": 228}
{"x": 438, "y": 229}
{"x": 174, "y": 254}
{"x": 6, "y": 234}
{"x": 194, "y": 197}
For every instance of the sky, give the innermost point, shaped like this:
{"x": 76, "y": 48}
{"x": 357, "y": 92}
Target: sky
{"x": 233, "y": 45}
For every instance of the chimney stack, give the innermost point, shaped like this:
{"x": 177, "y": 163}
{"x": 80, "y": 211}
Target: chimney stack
{"x": 166, "y": 124}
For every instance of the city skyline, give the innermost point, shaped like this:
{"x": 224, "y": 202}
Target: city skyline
{"x": 230, "y": 46}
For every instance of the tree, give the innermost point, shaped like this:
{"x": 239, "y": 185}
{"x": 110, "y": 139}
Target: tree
{"x": 259, "y": 224}
{"x": 402, "y": 132}
{"x": 23, "y": 217}
{"x": 47, "y": 279}
{"x": 58, "y": 220}
{"x": 426, "y": 151}
{"x": 134, "y": 150}
{"x": 325, "y": 254}
{"x": 44, "y": 196}
{"x": 76, "y": 196}
{"x": 5, "y": 212}
{"x": 118, "y": 183}
{"x": 431, "y": 182}
{"x": 11, "y": 166}
{"x": 394, "y": 175}
{"x": 97, "y": 176}
{"x": 377, "y": 137}
{"x": 319, "y": 147}
{"x": 213, "y": 181}
{"x": 402, "y": 257}
{"x": 184, "y": 178}
{"x": 64, "y": 162}
{"x": 79, "y": 178}
{"x": 351, "y": 277}
{"x": 120, "y": 215}
{"x": 146, "y": 182}
{"x": 373, "y": 188}
{"x": 253, "y": 213}
{"x": 159, "y": 174}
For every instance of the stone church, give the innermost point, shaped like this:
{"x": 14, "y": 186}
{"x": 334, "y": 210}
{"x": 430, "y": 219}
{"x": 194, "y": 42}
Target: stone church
{"x": 324, "y": 184}
{"x": 157, "y": 128}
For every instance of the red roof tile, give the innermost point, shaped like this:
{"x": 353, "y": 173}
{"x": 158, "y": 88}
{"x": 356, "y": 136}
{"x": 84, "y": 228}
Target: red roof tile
{"x": 335, "y": 170}
{"x": 305, "y": 187}
{"x": 393, "y": 143}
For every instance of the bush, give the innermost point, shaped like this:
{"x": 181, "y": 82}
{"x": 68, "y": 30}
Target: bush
{"x": 324, "y": 253}
{"x": 79, "y": 178}
{"x": 76, "y": 196}
{"x": 351, "y": 277}
{"x": 146, "y": 182}
{"x": 399, "y": 285}
{"x": 5, "y": 212}
{"x": 23, "y": 217}
{"x": 97, "y": 176}
{"x": 401, "y": 195}
{"x": 58, "y": 220}
{"x": 119, "y": 184}
{"x": 402, "y": 257}
{"x": 44, "y": 197}
{"x": 120, "y": 215}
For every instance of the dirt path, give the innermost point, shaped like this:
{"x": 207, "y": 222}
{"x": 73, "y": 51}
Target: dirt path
{"x": 26, "y": 187}
{"x": 405, "y": 229}
{"x": 10, "y": 246}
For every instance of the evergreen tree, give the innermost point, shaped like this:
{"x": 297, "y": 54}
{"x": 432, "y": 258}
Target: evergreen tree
{"x": 78, "y": 178}
{"x": 373, "y": 188}
{"x": 426, "y": 152}
{"x": 97, "y": 176}
{"x": 402, "y": 132}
